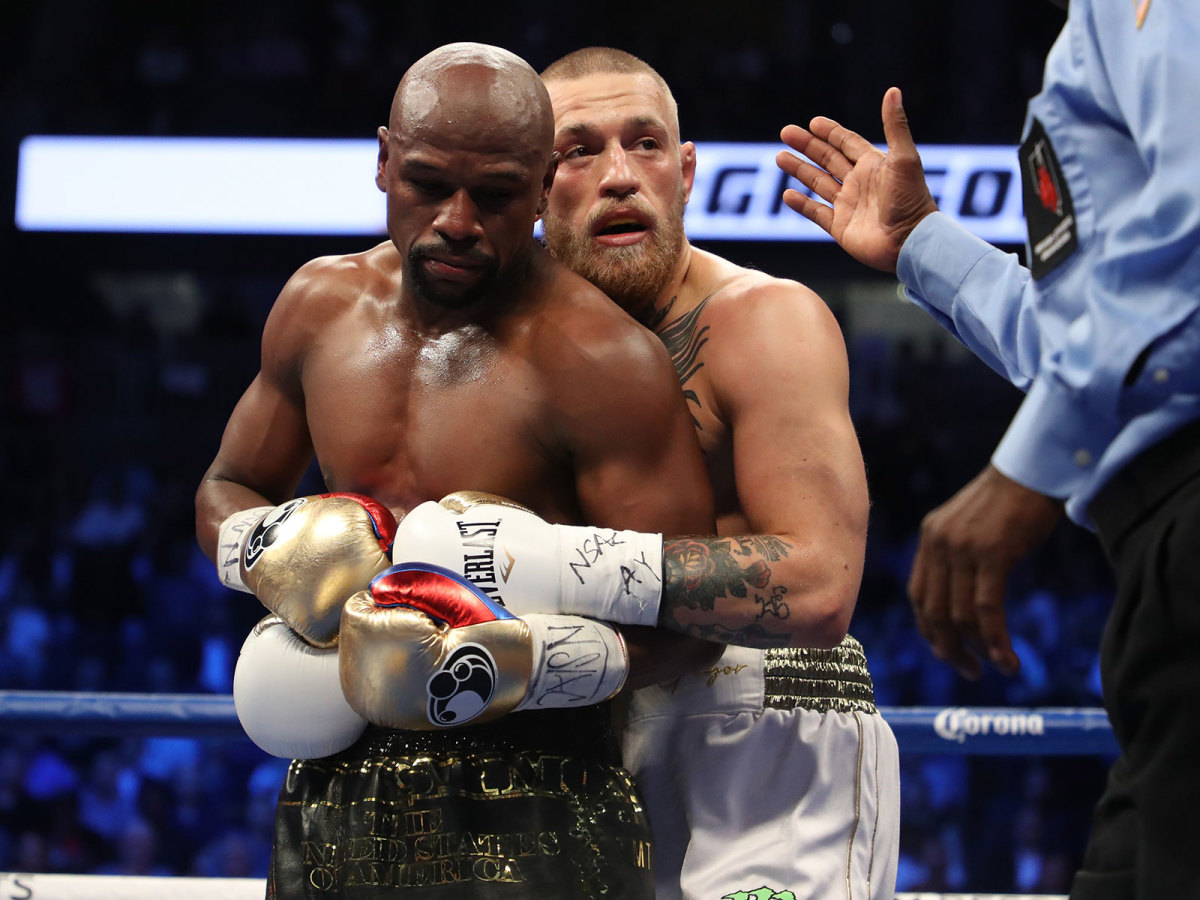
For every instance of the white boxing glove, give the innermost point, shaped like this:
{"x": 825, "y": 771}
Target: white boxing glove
{"x": 304, "y": 558}
{"x": 288, "y": 695}
{"x": 528, "y": 565}
{"x": 424, "y": 649}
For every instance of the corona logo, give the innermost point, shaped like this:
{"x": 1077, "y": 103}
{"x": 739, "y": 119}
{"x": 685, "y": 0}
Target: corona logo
{"x": 959, "y": 723}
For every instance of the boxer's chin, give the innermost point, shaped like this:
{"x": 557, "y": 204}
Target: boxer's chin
{"x": 450, "y": 292}
{"x": 634, "y": 274}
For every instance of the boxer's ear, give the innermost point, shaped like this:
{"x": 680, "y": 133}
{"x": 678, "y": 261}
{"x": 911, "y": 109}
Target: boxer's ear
{"x": 687, "y": 161}
{"x": 381, "y": 160}
{"x": 547, "y": 183}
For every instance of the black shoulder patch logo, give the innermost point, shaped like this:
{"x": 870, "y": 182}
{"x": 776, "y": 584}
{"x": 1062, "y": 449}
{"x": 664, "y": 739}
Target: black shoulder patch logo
{"x": 1049, "y": 212}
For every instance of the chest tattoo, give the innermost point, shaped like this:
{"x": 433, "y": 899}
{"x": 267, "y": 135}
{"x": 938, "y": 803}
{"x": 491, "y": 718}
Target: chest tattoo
{"x": 684, "y": 341}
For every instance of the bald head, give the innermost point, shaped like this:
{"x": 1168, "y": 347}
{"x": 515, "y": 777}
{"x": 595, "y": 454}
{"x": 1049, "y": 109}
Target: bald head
{"x": 472, "y": 89}
{"x": 466, "y": 161}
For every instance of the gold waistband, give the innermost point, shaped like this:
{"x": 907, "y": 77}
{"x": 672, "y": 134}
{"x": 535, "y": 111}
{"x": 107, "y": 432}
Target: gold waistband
{"x": 834, "y": 680}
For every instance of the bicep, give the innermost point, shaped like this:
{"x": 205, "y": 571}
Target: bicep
{"x": 266, "y": 443}
{"x": 266, "y": 446}
{"x": 800, "y": 473}
{"x": 798, "y": 466}
{"x": 264, "y": 452}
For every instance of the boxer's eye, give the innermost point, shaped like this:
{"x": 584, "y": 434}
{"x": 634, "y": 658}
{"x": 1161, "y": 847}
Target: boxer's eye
{"x": 429, "y": 188}
{"x": 492, "y": 198}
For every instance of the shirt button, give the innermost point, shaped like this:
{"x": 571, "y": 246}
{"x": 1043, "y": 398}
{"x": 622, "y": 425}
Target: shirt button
{"x": 1161, "y": 376}
{"x": 1083, "y": 458}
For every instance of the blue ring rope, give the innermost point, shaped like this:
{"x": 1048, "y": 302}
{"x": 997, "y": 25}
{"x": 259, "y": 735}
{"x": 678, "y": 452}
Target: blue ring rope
{"x": 975, "y": 730}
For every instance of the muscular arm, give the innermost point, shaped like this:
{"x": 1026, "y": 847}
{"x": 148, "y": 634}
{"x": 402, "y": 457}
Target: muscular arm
{"x": 788, "y": 572}
{"x": 266, "y": 447}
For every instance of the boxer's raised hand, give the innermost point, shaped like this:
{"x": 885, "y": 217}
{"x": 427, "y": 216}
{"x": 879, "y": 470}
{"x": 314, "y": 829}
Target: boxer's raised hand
{"x": 873, "y": 200}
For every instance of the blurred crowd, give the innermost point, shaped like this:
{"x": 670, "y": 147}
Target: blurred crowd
{"x": 122, "y": 357}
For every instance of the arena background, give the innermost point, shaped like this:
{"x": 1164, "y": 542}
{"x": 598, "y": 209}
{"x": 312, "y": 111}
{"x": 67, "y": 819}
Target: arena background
{"x": 121, "y": 355}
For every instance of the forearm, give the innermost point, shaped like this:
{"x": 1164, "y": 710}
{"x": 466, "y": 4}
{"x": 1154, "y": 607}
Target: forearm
{"x": 656, "y": 655}
{"x": 979, "y": 294}
{"x": 216, "y": 500}
{"x": 758, "y": 590}
{"x": 755, "y": 590}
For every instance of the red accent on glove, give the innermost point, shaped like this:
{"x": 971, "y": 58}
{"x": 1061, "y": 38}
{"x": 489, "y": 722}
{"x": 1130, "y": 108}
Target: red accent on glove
{"x": 436, "y": 592}
{"x": 382, "y": 519}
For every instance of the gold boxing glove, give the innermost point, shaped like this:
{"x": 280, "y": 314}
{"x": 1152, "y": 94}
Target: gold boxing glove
{"x": 424, "y": 649}
{"x": 304, "y": 558}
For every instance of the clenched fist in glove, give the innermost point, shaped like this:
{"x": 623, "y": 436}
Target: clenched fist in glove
{"x": 423, "y": 649}
{"x": 528, "y": 565}
{"x": 304, "y": 558}
{"x": 288, "y": 695}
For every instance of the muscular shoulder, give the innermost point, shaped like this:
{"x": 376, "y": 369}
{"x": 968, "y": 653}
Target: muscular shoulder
{"x": 321, "y": 291}
{"x": 328, "y": 286}
{"x": 767, "y": 335}
{"x": 592, "y": 353}
{"x": 754, "y": 307}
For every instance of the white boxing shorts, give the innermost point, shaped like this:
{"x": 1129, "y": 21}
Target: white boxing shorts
{"x": 771, "y": 769}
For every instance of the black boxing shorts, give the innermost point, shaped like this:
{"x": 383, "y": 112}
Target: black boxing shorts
{"x": 534, "y": 805}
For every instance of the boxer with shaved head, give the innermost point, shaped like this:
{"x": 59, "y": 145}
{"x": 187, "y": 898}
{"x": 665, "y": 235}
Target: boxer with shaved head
{"x": 455, "y": 358}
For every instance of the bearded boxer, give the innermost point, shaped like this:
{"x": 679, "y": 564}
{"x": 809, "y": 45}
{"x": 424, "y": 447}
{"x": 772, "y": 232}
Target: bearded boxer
{"x": 455, "y": 355}
{"x": 771, "y": 768}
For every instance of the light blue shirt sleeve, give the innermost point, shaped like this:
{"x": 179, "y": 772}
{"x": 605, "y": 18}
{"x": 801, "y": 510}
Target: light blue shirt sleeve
{"x": 1121, "y": 107}
{"x": 976, "y": 292}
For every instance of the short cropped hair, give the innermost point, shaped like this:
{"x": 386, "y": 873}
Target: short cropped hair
{"x": 604, "y": 61}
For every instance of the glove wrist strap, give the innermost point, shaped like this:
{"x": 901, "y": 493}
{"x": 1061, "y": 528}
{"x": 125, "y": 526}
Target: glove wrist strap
{"x": 576, "y": 662}
{"x": 611, "y": 575}
{"x": 230, "y": 539}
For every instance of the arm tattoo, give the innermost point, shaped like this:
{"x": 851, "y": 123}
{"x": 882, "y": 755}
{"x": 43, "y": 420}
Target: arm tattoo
{"x": 699, "y": 571}
{"x": 684, "y": 342}
{"x": 750, "y": 636}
